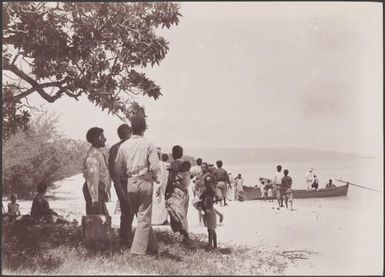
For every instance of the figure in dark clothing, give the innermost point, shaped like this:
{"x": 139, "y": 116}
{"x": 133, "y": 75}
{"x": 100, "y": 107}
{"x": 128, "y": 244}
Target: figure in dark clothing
{"x": 223, "y": 180}
{"x": 209, "y": 218}
{"x": 120, "y": 184}
{"x": 40, "y": 207}
{"x": 286, "y": 185}
{"x": 177, "y": 196}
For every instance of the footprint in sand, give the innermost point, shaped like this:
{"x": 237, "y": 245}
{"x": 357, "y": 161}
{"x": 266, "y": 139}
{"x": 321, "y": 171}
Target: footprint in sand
{"x": 297, "y": 254}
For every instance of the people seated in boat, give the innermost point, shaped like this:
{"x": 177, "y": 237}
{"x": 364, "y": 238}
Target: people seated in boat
{"x": 330, "y": 184}
{"x": 315, "y": 182}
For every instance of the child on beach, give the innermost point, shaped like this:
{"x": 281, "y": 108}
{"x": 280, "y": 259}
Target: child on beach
{"x": 209, "y": 218}
{"x": 286, "y": 183}
{"x": 270, "y": 194}
{"x": 13, "y": 209}
{"x": 289, "y": 197}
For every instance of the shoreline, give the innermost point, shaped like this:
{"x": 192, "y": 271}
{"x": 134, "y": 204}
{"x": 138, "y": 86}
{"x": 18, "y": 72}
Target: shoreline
{"x": 321, "y": 236}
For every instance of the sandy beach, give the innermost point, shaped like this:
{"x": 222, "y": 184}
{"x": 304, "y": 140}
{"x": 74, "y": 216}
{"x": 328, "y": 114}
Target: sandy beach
{"x": 339, "y": 236}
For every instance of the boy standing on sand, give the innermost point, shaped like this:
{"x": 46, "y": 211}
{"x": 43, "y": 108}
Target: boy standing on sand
{"x": 286, "y": 185}
{"x": 289, "y": 195}
{"x": 200, "y": 187}
{"x": 210, "y": 219}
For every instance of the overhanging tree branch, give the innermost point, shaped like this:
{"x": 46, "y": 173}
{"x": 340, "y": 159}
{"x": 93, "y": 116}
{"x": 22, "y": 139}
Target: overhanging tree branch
{"x": 35, "y": 85}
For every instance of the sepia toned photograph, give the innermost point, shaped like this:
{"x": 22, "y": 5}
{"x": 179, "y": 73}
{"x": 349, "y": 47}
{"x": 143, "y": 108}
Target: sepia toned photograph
{"x": 192, "y": 138}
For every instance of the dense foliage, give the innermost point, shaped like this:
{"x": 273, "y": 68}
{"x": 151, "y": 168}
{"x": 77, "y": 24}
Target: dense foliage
{"x": 85, "y": 48}
{"x": 15, "y": 114}
{"x": 39, "y": 154}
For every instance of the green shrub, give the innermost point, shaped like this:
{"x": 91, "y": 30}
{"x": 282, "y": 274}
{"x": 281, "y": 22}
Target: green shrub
{"x": 39, "y": 154}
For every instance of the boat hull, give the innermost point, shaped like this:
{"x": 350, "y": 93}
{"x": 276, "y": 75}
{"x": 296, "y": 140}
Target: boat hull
{"x": 330, "y": 192}
{"x": 255, "y": 193}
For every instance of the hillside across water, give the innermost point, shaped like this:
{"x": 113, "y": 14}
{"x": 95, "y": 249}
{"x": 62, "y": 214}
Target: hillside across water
{"x": 252, "y": 155}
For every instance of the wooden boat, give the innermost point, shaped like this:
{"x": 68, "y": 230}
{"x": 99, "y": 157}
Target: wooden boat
{"x": 325, "y": 192}
{"x": 252, "y": 193}
{"x": 255, "y": 193}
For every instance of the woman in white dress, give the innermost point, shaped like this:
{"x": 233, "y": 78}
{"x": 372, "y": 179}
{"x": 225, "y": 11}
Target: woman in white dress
{"x": 159, "y": 212}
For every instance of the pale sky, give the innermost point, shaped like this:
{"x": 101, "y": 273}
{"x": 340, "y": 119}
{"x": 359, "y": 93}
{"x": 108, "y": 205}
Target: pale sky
{"x": 261, "y": 74}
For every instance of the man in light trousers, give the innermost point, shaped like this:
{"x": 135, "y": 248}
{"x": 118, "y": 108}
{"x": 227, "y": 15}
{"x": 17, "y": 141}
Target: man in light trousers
{"x": 138, "y": 163}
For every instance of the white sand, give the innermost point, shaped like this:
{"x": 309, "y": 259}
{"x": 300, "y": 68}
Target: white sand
{"x": 339, "y": 236}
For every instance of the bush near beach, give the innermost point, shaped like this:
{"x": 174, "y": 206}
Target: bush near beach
{"x": 58, "y": 249}
{"x": 39, "y": 153}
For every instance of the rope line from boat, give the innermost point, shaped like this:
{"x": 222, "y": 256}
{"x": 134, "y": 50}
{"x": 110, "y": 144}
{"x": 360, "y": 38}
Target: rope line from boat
{"x": 347, "y": 182}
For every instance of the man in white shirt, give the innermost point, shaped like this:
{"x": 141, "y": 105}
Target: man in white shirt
{"x": 277, "y": 182}
{"x": 309, "y": 178}
{"x": 138, "y": 162}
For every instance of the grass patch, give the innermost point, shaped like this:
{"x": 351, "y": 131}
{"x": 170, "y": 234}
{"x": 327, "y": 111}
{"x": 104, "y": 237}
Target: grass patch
{"x": 58, "y": 250}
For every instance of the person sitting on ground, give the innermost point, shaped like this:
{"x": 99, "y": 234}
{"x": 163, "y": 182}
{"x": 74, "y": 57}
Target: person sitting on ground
{"x": 315, "y": 182}
{"x": 40, "y": 207}
{"x": 13, "y": 210}
{"x": 210, "y": 220}
{"x": 330, "y": 184}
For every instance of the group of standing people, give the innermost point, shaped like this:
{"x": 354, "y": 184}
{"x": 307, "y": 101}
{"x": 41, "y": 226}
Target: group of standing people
{"x": 132, "y": 166}
{"x": 150, "y": 188}
{"x": 282, "y": 183}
